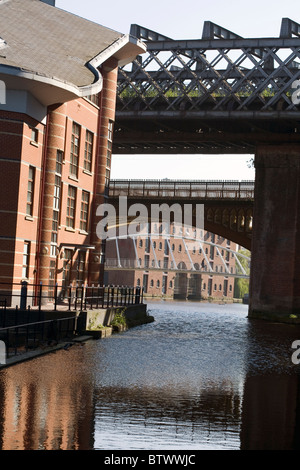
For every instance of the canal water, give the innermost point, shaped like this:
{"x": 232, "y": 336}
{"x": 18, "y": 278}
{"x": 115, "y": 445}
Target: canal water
{"x": 202, "y": 376}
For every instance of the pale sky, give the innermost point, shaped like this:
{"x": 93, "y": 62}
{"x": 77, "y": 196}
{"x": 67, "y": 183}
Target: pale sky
{"x": 179, "y": 19}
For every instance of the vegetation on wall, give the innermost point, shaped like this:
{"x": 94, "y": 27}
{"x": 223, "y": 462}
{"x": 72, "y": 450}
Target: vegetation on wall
{"x": 241, "y": 286}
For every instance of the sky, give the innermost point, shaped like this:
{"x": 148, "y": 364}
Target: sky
{"x": 178, "y": 19}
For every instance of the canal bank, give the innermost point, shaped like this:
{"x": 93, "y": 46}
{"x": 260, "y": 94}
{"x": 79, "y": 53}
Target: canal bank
{"x": 88, "y": 325}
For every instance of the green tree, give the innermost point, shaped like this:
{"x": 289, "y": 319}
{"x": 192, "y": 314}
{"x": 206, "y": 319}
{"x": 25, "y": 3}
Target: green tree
{"x": 241, "y": 285}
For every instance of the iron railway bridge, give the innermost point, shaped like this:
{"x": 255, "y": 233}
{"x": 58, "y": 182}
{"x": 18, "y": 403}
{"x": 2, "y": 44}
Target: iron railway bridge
{"x": 228, "y": 205}
{"x": 217, "y": 95}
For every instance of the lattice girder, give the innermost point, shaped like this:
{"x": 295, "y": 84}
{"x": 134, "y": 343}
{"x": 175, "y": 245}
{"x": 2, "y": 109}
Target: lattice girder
{"x": 226, "y": 74}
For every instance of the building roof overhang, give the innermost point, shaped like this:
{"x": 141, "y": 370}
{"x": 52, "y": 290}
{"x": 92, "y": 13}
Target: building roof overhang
{"x": 53, "y": 70}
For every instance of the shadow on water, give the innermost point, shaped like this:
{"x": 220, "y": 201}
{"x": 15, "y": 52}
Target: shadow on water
{"x": 202, "y": 376}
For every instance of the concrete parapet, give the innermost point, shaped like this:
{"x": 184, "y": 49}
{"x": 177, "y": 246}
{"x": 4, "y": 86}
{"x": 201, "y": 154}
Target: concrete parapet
{"x": 118, "y": 318}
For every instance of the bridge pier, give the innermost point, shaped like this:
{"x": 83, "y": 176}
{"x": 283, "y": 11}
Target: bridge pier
{"x": 275, "y": 261}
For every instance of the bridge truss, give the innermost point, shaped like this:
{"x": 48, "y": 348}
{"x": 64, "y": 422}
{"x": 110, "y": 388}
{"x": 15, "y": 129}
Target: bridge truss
{"x": 219, "y": 94}
{"x": 190, "y": 244}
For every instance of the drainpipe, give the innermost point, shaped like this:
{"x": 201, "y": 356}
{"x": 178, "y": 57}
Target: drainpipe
{"x": 94, "y": 208}
{"x": 41, "y": 205}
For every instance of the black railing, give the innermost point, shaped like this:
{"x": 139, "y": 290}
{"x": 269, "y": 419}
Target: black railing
{"x": 240, "y": 190}
{"x": 25, "y": 326}
{"x": 21, "y": 338}
{"x": 73, "y": 297}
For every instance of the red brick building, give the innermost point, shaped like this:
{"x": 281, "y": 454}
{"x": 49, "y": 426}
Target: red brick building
{"x": 58, "y": 76}
{"x": 201, "y": 268}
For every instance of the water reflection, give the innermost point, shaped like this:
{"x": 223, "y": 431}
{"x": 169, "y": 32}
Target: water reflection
{"x": 202, "y": 376}
{"x": 45, "y": 406}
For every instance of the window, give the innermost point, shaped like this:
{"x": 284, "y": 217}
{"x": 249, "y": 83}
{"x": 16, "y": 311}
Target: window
{"x": 56, "y": 203}
{"x": 93, "y": 98}
{"x": 75, "y": 142}
{"x": 26, "y": 255}
{"x": 57, "y": 190}
{"x": 88, "y": 151}
{"x": 71, "y": 207}
{"x": 30, "y": 191}
{"x": 110, "y": 130}
{"x": 84, "y": 212}
{"x": 67, "y": 267}
{"x": 34, "y": 135}
{"x": 59, "y": 162}
{"x": 52, "y": 272}
{"x": 109, "y": 151}
{"x": 80, "y": 266}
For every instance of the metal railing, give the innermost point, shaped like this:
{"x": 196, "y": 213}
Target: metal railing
{"x": 23, "y": 327}
{"x": 73, "y": 297}
{"x": 241, "y": 190}
{"x": 23, "y": 337}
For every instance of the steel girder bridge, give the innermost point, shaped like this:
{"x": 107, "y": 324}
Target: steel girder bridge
{"x": 228, "y": 205}
{"x": 206, "y": 266}
{"x": 220, "y": 94}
